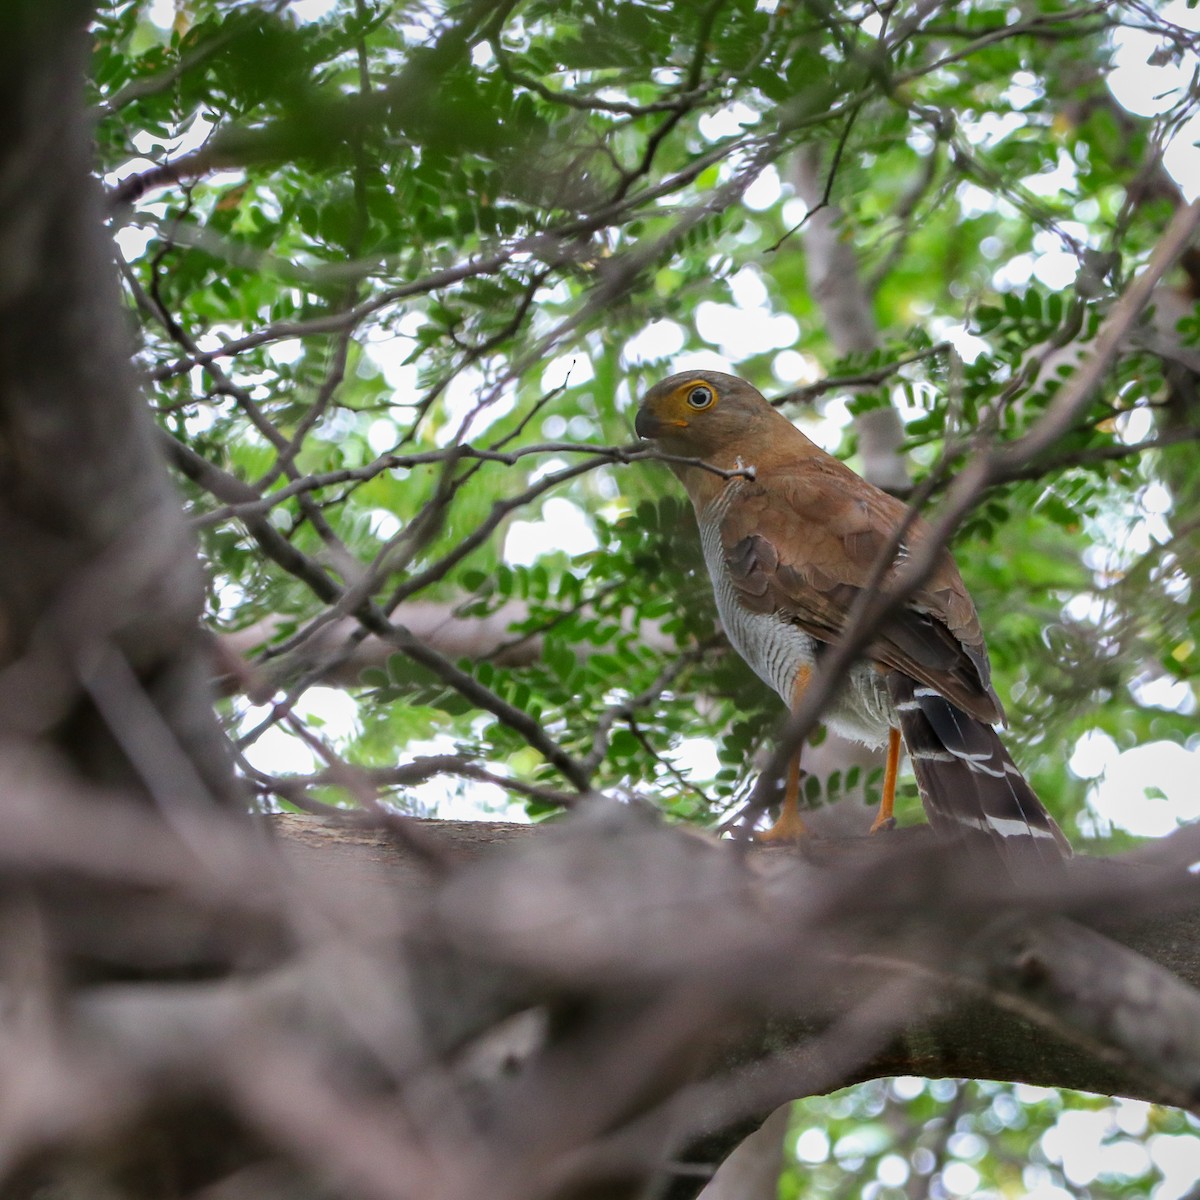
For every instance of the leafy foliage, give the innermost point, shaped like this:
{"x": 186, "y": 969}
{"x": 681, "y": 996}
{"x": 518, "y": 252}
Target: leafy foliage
{"x": 400, "y": 271}
{"x": 964, "y": 1138}
{"x": 389, "y": 230}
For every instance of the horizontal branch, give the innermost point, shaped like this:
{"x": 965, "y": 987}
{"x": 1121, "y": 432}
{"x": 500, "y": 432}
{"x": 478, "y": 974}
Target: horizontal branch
{"x": 704, "y": 986}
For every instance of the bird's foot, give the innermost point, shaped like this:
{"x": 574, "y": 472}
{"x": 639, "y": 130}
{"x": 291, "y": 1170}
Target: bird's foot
{"x": 883, "y": 824}
{"x": 789, "y": 828}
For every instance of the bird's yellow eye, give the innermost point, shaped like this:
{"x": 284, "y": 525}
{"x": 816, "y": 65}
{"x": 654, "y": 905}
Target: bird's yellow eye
{"x": 700, "y": 397}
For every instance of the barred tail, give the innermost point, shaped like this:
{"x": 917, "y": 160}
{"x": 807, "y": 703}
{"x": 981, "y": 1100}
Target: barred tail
{"x": 969, "y": 784}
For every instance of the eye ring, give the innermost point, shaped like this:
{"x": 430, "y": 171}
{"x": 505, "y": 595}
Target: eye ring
{"x": 700, "y": 397}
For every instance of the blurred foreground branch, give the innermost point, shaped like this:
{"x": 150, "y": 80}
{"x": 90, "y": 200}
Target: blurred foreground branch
{"x": 443, "y": 1009}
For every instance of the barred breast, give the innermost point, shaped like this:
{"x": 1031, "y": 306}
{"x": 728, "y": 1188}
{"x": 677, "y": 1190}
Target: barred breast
{"x": 777, "y": 649}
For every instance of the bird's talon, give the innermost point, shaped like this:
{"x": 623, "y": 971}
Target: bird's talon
{"x": 883, "y": 825}
{"x": 789, "y": 828}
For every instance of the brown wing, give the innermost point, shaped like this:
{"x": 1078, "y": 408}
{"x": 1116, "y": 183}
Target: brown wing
{"x": 803, "y": 541}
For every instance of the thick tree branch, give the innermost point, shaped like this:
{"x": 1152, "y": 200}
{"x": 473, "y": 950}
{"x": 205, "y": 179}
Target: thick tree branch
{"x": 100, "y": 620}
{"x": 646, "y": 988}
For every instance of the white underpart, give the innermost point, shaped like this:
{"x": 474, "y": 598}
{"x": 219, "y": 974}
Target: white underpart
{"x": 776, "y": 649}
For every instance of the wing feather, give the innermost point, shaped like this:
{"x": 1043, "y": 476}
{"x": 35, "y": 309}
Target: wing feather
{"x": 803, "y": 541}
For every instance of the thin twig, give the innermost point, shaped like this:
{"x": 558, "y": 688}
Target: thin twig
{"x": 991, "y": 466}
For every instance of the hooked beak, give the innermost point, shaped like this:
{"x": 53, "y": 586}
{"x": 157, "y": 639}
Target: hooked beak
{"x": 646, "y": 424}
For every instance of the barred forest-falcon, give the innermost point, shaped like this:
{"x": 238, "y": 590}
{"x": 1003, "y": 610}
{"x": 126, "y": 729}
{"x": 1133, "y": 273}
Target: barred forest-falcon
{"x": 788, "y": 550}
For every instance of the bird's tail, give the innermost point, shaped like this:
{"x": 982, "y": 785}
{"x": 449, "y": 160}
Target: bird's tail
{"x": 970, "y": 785}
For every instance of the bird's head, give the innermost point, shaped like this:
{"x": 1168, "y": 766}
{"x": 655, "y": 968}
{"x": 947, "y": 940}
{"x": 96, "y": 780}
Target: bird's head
{"x": 704, "y": 414}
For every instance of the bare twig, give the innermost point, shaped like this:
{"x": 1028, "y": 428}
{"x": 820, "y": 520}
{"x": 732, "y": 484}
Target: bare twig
{"x": 990, "y": 466}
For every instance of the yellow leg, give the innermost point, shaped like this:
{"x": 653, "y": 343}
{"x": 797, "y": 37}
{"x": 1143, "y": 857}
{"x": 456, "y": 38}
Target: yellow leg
{"x": 790, "y": 827}
{"x": 885, "y": 820}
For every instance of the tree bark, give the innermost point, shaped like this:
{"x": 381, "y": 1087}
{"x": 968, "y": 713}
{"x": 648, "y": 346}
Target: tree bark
{"x": 973, "y": 1035}
{"x": 101, "y": 655}
{"x": 605, "y": 1003}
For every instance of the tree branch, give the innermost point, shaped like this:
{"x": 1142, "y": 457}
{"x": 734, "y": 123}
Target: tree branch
{"x": 990, "y": 466}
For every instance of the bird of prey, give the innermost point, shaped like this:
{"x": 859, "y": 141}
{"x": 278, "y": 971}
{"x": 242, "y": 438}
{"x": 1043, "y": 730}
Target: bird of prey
{"x": 791, "y": 536}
